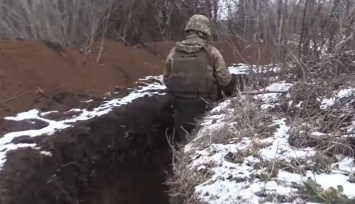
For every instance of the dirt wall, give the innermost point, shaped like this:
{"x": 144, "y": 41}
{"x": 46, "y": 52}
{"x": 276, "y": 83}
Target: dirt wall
{"x": 234, "y": 51}
{"x": 32, "y": 72}
{"x": 35, "y": 74}
{"x": 114, "y": 159}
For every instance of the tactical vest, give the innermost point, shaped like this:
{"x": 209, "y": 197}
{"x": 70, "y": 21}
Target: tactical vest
{"x": 189, "y": 76}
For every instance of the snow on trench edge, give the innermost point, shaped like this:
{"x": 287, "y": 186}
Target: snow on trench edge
{"x": 53, "y": 126}
{"x": 239, "y": 182}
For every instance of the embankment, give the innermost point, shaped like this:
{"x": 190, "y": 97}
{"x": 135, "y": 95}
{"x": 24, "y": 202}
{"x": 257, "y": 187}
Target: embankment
{"x": 119, "y": 156}
{"x": 35, "y": 74}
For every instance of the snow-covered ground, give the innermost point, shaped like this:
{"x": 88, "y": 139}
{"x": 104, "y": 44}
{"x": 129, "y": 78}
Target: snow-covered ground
{"x": 251, "y": 166}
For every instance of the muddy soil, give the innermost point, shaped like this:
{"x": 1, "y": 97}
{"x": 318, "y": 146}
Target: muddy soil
{"x": 122, "y": 157}
{"x": 33, "y": 73}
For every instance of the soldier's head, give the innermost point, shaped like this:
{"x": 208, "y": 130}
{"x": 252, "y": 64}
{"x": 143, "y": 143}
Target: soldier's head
{"x": 200, "y": 24}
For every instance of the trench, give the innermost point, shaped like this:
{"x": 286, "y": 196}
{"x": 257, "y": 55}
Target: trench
{"x": 120, "y": 158}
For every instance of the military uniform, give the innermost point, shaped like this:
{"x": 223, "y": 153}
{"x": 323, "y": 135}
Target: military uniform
{"x": 195, "y": 74}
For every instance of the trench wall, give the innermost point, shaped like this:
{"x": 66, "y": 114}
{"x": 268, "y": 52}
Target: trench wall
{"x": 118, "y": 158}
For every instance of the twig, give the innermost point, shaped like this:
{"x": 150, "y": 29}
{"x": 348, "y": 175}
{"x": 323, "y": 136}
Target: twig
{"x": 9, "y": 99}
{"x": 103, "y": 35}
{"x": 100, "y": 52}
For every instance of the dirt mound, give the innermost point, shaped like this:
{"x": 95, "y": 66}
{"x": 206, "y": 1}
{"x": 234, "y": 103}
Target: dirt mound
{"x": 233, "y": 53}
{"x": 116, "y": 158}
{"x": 42, "y": 75}
{"x": 32, "y": 72}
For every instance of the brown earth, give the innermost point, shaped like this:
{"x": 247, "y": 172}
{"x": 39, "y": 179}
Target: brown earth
{"x": 35, "y": 74}
{"x": 233, "y": 51}
{"x": 119, "y": 158}
{"x": 32, "y": 72}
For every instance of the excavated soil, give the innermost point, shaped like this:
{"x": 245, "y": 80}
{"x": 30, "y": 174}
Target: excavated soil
{"x": 119, "y": 158}
{"x": 42, "y": 75}
{"x": 234, "y": 51}
{"x": 35, "y": 74}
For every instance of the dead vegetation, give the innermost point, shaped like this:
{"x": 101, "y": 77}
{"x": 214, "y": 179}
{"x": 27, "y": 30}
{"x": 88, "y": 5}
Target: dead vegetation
{"x": 243, "y": 118}
{"x": 183, "y": 180}
{"x": 316, "y": 124}
{"x": 319, "y": 109}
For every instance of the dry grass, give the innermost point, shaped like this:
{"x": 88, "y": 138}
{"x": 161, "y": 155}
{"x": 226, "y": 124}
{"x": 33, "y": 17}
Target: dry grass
{"x": 307, "y": 117}
{"x": 184, "y": 180}
{"x": 246, "y": 118}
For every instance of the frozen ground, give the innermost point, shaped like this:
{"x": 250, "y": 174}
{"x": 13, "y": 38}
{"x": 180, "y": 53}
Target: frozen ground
{"x": 261, "y": 167}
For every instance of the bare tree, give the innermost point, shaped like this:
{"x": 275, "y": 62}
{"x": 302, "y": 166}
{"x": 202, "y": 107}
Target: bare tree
{"x": 308, "y": 27}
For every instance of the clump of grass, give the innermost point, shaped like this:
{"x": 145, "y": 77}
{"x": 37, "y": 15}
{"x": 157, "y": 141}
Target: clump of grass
{"x": 184, "y": 179}
{"x": 245, "y": 118}
{"x": 328, "y": 196}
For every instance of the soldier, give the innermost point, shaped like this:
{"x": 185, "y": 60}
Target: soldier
{"x": 195, "y": 74}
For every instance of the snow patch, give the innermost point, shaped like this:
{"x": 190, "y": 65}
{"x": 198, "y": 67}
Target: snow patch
{"x": 271, "y": 99}
{"x": 281, "y": 149}
{"x": 83, "y": 115}
{"x": 340, "y": 95}
{"x": 238, "y": 181}
{"x": 281, "y": 86}
{"x": 241, "y": 68}
{"x": 45, "y": 153}
{"x": 237, "y": 171}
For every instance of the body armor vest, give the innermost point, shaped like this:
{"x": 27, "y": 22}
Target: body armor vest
{"x": 190, "y": 76}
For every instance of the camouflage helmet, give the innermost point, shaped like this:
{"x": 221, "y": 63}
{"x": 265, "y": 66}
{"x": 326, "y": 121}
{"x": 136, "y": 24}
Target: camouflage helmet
{"x": 199, "y": 23}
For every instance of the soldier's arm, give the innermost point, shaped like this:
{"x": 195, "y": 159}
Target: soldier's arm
{"x": 223, "y": 75}
{"x": 225, "y": 79}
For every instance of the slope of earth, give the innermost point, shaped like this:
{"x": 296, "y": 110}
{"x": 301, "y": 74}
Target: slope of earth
{"x": 42, "y": 75}
{"x": 35, "y": 74}
{"x": 235, "y": 51}
{"x": 111, "y": 153}
{"x": 290, "y": 142}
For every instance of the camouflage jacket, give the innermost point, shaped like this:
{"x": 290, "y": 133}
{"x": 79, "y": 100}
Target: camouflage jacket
{"x": 194, "y": 42}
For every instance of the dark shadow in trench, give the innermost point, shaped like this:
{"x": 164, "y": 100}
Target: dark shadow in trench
{"x": 136, "y": 183}
{"x": 119, "y": 158}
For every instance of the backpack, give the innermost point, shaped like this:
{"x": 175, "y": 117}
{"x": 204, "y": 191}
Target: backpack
{"x": 189, "y": 76}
